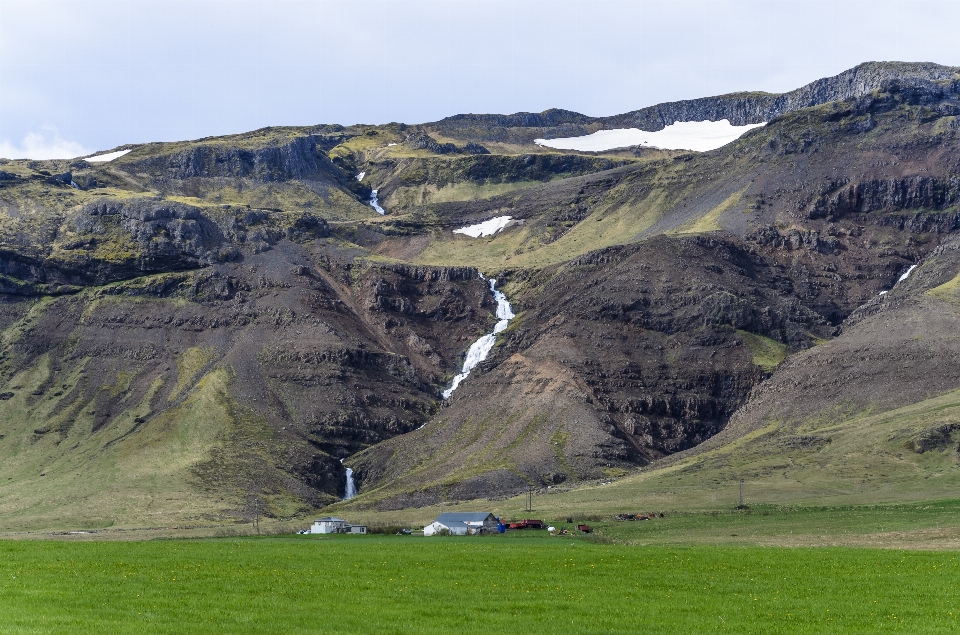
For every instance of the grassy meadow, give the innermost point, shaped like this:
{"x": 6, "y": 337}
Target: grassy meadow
{"x": 532, "y": 582}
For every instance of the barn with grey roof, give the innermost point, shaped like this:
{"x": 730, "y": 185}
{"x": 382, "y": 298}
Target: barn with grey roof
{"x": 462, "y": 523}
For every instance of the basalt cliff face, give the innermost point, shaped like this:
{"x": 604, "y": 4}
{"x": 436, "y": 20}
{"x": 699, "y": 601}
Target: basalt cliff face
{"x": 198, "y": 330}
{"x": 738, "y": 108}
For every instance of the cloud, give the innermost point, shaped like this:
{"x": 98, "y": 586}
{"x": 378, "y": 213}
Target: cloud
{"x": 45, "y": 143}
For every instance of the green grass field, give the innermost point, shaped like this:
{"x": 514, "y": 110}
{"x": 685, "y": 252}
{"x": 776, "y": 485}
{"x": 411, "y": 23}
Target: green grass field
{"x": 531, "y": 583}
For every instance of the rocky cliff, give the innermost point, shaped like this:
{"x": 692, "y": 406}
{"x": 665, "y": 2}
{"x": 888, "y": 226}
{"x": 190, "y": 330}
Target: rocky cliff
{"x": 211, "y": 326}
{"x": 739, "y": 108}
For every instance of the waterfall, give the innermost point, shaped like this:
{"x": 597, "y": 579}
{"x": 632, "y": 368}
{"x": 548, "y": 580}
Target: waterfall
{"x": 480, "y": 349}
{"x": 374, "y": 204}
{"x": 351, "y": 489}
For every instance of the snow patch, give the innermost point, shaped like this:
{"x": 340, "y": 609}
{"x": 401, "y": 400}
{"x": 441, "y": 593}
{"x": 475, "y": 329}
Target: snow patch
{"x": 480, "y": 349}
{"x": 361, "y": 175}
{"x": 699, "y": 136}
{"x": 486, "y": 228}
{"x": 374, "y": 204}
{"x": 110, "y": 156}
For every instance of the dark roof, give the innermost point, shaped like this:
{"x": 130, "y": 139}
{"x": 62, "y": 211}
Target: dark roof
{"x": 463, "y": 517}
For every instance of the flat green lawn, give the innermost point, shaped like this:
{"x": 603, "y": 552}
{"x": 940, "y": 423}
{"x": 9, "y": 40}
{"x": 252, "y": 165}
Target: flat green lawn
{"x": 931, "y": 525}
{"x": 525, "y": 583}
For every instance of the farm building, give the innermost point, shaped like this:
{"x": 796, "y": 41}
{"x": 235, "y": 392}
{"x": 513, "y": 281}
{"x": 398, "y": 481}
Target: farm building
{"x": 462, "y": 523}
{"x": 333, "y": 525}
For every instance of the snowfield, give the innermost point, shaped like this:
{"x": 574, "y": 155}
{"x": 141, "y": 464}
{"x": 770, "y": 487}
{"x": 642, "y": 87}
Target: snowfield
{"x": 486, "y": 228}
{"x": 110, "y": 156}
{"x": 681, "y": 135}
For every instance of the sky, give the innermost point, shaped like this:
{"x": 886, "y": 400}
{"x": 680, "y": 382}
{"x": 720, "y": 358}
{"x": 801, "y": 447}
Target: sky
{"x": 78, "y": 76}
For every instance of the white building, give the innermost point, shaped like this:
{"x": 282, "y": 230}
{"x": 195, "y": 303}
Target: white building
{"x": 333, "y": 525}
{"x": 462, "y": 523}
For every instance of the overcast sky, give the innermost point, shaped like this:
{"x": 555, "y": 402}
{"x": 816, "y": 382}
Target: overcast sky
{"x": 78, "y": 75}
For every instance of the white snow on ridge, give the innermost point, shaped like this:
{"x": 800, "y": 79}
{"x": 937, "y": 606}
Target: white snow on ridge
{"x": 361, "y": 175}
{"x": 681, "y": 135}
{"x": 110, "y": 156}
{"x": 486, "y": 228}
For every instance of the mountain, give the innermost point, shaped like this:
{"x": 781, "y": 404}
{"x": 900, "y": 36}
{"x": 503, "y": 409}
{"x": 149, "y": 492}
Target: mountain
{"x": 196, "y": 331}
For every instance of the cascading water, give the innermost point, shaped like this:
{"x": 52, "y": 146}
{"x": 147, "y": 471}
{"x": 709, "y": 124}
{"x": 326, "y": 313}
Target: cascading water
{"x": 905, "y": 275}
{"x": 373, "y": 197}
{"x": 374, "y": 204}
{"x": 351, "y": 489}
{"x": 479, "y": 350}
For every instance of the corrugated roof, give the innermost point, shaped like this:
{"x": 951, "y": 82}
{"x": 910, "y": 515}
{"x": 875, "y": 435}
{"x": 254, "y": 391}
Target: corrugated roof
{"x": 462, "y": 517}
{"x": 450, "y": 524}
{"x": 330, "y": 519}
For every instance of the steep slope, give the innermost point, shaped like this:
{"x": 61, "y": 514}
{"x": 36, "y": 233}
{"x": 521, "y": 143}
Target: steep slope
{"x": 271, "y": 353}
{"x": 692, "y": 321}
{"x": 197, "y": 330}
{"x": 868, "y": 417}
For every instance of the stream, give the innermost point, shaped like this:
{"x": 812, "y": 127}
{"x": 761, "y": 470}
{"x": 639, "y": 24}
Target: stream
{"x": 351, "y": 489}
{"x": 480, "y": 349}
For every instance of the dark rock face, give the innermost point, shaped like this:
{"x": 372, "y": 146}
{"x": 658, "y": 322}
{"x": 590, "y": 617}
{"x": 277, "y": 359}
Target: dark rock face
{"x": 623, "y": 356}
{"x": 917, "y": 192}
{"x": 665, "y": 316}
{"x": 860, "y": 81}
{"x": 300, "y": 159}
{"x": 423, "y": 141}
{"x": 110, "y": 240}
{"x": 169, "y": 235}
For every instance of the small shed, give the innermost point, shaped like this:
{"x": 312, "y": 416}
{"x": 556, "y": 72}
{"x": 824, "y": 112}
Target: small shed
{"x": 333, "y": 525}
{"x": 462, "y": 523}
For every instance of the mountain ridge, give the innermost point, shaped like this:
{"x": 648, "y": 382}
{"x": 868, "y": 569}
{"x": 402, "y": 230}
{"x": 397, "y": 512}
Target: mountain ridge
{"x": 203, "y": 329}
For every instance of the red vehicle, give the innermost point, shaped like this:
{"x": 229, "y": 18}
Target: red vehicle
{"x": 527, "y": 523}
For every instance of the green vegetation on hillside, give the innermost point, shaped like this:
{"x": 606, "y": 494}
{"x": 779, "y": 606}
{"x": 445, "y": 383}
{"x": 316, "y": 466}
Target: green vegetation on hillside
{"x": 767, "y": 353}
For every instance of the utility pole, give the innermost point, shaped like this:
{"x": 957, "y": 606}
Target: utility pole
{"x": 529, "y": 498}
{"x": 741, "y": 494}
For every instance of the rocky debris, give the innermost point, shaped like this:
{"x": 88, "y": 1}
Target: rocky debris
{"x": 937, "y": 437}
{"x": 795, "y": 239}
